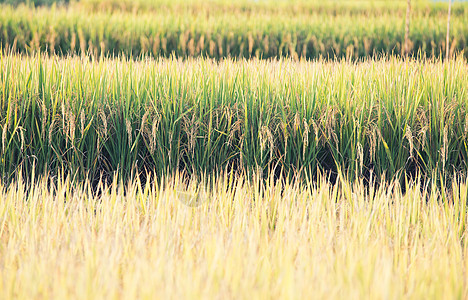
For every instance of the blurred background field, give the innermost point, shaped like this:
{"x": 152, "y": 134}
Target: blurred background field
{"x": 238, "y": 29}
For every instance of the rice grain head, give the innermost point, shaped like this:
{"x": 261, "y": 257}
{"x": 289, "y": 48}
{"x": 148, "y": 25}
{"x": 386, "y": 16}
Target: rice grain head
{"x": 143, "y": 122}
{"x": 128, "y": 126}
{"x": 82, "y": 122}
{"x": 51, "y": 130}
{"x": 409, "y": 137}
{"x": 305, "y": 137}
{"x": 104, "y": 124}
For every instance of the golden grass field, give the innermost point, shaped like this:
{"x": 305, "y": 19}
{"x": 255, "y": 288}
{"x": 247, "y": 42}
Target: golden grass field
{"x": 248, "y": 239}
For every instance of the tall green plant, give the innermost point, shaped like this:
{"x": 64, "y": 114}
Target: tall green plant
{"x": 97, "y": 117}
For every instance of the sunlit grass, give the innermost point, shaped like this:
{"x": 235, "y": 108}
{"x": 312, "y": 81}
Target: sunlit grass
{"x": 248, "y": 239}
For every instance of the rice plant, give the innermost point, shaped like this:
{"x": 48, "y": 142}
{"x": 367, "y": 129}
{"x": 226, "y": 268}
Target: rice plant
{"x": 186, "y": 32}
{"x": 94, "y": 118}
{"x": 249, "y": 238}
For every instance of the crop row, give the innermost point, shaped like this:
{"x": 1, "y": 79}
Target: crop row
{"x": 284, "y": 7}
{"x": 98, "y": 117}
{"x": 221, "y": 35}
{"x": 247, "y": 238}
{"x": 367, "y": 7}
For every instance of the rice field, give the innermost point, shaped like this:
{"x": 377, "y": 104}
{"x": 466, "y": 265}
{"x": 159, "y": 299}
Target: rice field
{"x": 216, "y": 149}
{"x": 97, "y": 117}
{"x": 220, "y": 30}
{"x": 247, "y": 239}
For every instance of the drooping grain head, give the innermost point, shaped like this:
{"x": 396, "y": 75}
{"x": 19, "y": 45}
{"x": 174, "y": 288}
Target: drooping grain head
{"x": 143, "y": 122}
{"x": 297, "y": 122}
{"x": 103, "y": 127}
{"x": 71, "y": 120}
{"x": 409, "y": 138}
{"x": 128, "y": 126}
{"x": 305, "y": 137}
{"x": 82, "y": 122}
{"x": 51, "y": 130}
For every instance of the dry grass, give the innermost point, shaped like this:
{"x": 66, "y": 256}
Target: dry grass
{"x": 247, "y": 240}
